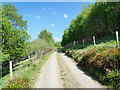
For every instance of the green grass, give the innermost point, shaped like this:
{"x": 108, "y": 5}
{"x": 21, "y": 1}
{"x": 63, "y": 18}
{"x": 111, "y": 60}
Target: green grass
{"x": 26, "y": 72}
{"x": 104, "y": 41}
{"x": 16, "y": 70}
{"x": 100, "y": 60}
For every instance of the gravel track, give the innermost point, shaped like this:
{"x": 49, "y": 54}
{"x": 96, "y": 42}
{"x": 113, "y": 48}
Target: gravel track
{"x": 82, "y": 77}
{"x": 49, "y": 76}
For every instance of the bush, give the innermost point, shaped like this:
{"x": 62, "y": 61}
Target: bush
{"x": 85, "y": 60}
{"x": 19, "y": 82}
{"x": 107, "y": 60}
{"x": 113, "y": 78}
{"x": 102, "y": 62}
{"x": 104, "y": 65}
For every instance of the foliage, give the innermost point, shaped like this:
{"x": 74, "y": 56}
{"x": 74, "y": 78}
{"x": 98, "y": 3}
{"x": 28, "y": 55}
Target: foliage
{"x": 114, "y": 79}
{"x": 101, "y": 61}
{"x": 14, "y": 35}
{"x": 45, "y": 35}
{"x": 58, "y": 44}
{"x": 99, "y": 19}
{"x": 3, "y": 56}
{"x": 108, "y": 59}
{"x": 28, "y": 75}
{"x": 41, "y": 45}
{"x": 19, "y": 82}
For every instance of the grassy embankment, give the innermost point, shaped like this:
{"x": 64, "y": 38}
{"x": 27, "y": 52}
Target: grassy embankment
{"x": 102, "y": 61}
{"x": 26, "y": 75}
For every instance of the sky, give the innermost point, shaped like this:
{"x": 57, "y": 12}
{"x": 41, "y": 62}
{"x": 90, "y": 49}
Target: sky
{"x": 53, "y": 16}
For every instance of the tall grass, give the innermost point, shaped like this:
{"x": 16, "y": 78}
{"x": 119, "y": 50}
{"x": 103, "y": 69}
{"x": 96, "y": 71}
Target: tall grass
{"x": 102, "y": 60}
{"x": 26, "y": 76}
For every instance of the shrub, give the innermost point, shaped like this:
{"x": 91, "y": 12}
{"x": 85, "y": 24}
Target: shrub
{"x": 85, "y": 60}
{"x": 107, "y": 60}
{"x": 113, "y": 78}
{"x": 19, "y": 82}
{"x": 102, "y": 62}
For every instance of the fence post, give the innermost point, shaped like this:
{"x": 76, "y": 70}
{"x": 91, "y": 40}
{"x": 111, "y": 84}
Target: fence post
{"x": 117, "y": 39}
{"x": 74, "y": 43}
{"x": 83, "y": 42}
{"x": 10, "y": 66}
{"x": 94, "y": 40}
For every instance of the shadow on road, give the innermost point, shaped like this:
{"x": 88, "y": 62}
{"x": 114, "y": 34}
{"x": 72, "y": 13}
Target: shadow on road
{"x": 84, "y": 71}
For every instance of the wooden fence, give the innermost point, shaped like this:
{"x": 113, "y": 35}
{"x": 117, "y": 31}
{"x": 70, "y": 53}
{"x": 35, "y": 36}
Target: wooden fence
{"x": 13, "y": 66}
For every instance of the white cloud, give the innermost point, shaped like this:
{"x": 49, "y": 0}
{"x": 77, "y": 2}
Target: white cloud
{"x": 65, "y": 15}
{"x": 37, "y": 17}
{"x": 52, "y": 25}
{"x": 57, "y": 39}
{"x": 43, "y": 9}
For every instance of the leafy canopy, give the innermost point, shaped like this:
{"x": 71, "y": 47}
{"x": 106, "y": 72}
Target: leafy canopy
{"x": 14, "y": 35}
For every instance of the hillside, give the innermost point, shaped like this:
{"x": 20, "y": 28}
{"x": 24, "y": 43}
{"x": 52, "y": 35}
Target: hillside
{"x": 101, "y": 60}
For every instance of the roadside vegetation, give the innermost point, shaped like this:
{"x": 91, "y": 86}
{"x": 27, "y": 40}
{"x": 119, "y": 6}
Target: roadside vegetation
{"x": 99, "y": 19}
{"x": 26, "y": 75}
{"x": 102, "y": 60}
{"x": 27, "y": 55}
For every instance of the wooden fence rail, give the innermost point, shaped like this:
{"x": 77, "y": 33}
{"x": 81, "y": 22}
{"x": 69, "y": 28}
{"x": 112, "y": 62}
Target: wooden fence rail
{"x": 9, "y": 68}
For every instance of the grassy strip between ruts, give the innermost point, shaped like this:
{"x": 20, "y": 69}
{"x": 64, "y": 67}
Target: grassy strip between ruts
{"x": 67, "y": 77}
{"x": 26, "y": 76}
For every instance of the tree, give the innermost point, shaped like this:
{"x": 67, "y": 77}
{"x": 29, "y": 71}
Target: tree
{"x": 45, "y": 35}
{"x": 65, "y": 38}
{"x": 14, "y": 35}
{"x": 58, "y": 44}
{"x": 99, "y": 19}
{"x": 38, "y": 46}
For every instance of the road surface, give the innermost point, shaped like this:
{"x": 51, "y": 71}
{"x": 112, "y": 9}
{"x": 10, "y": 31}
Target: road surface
{"x": 50, "y": 77}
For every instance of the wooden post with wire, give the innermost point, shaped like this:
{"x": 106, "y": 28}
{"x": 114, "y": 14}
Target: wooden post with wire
{"x": 74, "y": 43}
{"x": 10, "y": 66}
{"x": 83, "y": 42}
{"x": 94, "y": 40}
{"x": 117, "y": 39}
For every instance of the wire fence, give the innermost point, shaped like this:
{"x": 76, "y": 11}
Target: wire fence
{"x": 76, "y": 43}
{"x": 18, "y": 65}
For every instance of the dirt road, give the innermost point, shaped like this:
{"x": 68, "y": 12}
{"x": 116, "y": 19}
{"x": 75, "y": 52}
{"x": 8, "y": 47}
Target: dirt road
{"x": 83, "y": 78}
{"x": 49, "y": 76}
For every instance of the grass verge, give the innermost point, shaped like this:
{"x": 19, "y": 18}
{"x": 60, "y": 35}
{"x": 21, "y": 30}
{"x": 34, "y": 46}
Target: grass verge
{"x": 101, "y": 61}
{"x": 26, "y": 76}
{"x": 67, "y": 77}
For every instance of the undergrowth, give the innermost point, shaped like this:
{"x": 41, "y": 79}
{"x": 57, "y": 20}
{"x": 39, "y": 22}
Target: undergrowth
{"x": 25, "y": 77}
{"x": 102, "y": 60}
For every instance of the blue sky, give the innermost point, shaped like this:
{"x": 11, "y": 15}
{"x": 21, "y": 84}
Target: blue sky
{"x": 53, "y": 16}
